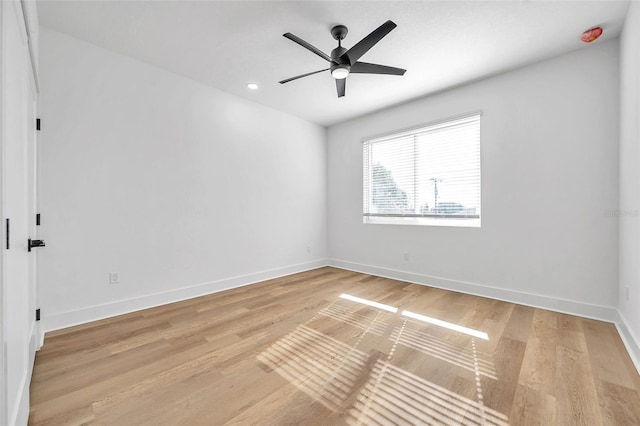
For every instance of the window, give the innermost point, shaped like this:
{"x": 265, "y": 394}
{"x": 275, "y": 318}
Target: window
{"x": 426, "y": 176}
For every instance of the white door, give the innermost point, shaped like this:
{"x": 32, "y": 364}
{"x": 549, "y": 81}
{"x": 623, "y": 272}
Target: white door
{"x": 18, "y": 205}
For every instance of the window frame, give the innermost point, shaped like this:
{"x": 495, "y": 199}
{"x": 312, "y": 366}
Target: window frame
{"x": 462, "y": 220}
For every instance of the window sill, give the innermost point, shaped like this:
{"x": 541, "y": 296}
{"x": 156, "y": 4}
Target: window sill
{"x": 423, "y": 221}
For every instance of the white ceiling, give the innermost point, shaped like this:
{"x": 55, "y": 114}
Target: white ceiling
{"x": 228, "y": 44}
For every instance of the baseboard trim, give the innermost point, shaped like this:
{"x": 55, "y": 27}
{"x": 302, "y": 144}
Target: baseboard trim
{"x": 630, "y": 340}
{"x": 603, "y": 313}
{"x": 61, "y": 320}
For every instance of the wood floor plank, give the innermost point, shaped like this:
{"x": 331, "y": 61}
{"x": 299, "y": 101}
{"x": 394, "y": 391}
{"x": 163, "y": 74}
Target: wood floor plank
{"x": 620, "y": 405}
{"x": 606, "y": 353}
{"x": 293, "y": 351}
{"x": 519, "y": 322}
{"x": 576, "y": 396}
{"x": 539, "y": 363}
{"x": 499, "y": 393}
{"x": 532, "y": 407}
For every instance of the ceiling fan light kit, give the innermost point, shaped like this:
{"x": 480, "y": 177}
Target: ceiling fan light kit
{"x": 344, "y": 62}
{"x": 340, "y": 72}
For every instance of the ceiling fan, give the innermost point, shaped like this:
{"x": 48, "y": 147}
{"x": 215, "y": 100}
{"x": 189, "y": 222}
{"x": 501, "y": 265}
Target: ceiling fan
{"x": 345, "y": 61}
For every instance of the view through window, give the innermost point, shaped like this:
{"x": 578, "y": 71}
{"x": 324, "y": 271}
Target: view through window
{"x": 426, "y": 176}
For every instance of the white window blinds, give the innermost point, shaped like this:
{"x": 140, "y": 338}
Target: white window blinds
{"x": 424, "y": 175}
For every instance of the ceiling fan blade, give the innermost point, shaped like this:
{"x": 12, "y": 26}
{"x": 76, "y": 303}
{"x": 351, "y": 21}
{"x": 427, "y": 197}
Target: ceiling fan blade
{"x": 300, "y": 76}
{"x": 308, "y": 46}
{"x": 340, "y": 85}
{"x": 367, "y": 68}
{"x": 368, "y": 42}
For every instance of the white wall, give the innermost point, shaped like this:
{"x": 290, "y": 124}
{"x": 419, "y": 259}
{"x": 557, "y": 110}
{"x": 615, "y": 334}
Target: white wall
{"x": 181, "y": 188}
{"x": 549, "y": 176}
{"x": 630, "y": 177}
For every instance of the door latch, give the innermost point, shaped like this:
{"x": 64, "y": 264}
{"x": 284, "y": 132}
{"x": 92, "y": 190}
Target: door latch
{"x": 35, "y": 243}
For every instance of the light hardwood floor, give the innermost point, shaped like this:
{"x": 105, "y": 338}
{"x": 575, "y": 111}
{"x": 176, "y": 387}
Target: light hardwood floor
{"x": 296, "y": 350}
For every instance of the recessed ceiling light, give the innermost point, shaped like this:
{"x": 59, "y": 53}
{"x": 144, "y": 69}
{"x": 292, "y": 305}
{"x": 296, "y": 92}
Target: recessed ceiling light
{"x": 252, "y": 86}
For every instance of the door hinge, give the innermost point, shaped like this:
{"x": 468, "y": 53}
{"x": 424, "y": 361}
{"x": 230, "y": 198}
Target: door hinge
{"x": 37, "y": 124}
{"x": 37, "y": 314}
{"x": 37, "y": 219}
{"x": 7, "y": 233}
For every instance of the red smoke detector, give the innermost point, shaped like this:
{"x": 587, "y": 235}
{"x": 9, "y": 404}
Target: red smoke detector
{"x": 591, "y": 35}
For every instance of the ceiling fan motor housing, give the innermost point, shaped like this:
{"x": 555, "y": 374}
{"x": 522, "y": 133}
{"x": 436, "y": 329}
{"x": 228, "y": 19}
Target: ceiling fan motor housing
{"x": 339, "y": 61}
{"x": 337, "y": 58}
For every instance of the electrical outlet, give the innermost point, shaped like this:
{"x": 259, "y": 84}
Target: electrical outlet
{"x": 308, "y": 249}
{"x": 406, "y": 255}
{"x": 114, "y": 277}
{"x": 626, "y": 292}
